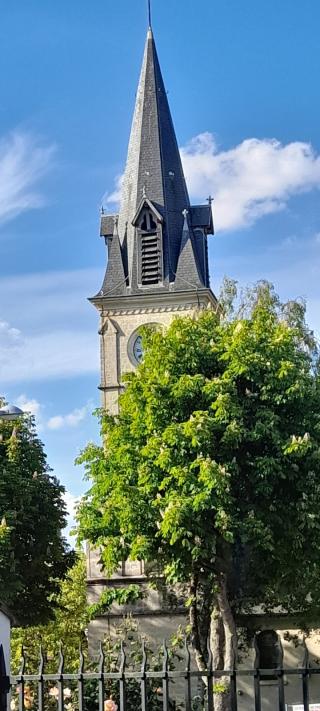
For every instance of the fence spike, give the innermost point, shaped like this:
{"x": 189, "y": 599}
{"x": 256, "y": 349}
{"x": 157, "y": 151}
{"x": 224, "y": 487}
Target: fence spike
{"x": 187, "y": 654}
{"x": 281, "y": 652}
{"x": 305, "y": 677}
{"x": 23, "y": 660}
{"x": 306, "y": 656}
{"x": 144, "y": 658}
{"x": 101, "y": 659}
{"x": 281, "y": 698}
{"x": 165, "y": 656}
{"x": 122, "y": 658}
{"x": 256, "y": 653}
{"x": 41, "y": 661}
{"x": 81, "y": 659}
{"x": 210, "y": 655}
{"x": 61, "y": 659}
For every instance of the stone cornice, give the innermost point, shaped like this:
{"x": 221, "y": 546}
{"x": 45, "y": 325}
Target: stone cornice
{"x": 160, "y": 612}
{"x": 119, "y": 580}
{"x": 155, "y": 303}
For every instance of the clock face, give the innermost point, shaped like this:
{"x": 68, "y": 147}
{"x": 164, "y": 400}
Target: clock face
{"x": 137, "y": 349}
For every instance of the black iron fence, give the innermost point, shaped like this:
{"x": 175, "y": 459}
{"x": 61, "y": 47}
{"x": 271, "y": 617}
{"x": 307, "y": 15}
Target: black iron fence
{"x": 131, "y": 688}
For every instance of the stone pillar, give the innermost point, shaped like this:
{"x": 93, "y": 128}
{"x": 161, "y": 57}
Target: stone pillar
{"x": 109, "y": 354}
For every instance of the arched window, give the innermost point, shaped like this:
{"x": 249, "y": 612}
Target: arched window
{"x": 268, "y": 650}
{"x": 150, "y": 249}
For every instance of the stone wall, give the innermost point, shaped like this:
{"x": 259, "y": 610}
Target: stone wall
{"x": 120, "y": 323}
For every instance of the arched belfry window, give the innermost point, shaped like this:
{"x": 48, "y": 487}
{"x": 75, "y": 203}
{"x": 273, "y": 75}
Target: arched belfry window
{"x": 150, "y": 258}
{"x": 147, "y": 222}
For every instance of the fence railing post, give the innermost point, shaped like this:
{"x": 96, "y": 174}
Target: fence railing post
{"x": 165, "y": 679}
{"x": 21, "y": 680}
{"x": 210, "y": 676}
{"x": 60, "y": 682}
{"x": 144, "y": 678}
{"x": 40, "y": 681}
{"x": 233, "y": 689}
{"x": 280, "y": 675}
{"x": 305, "y": 680}
{"x": 101, "y": 678}
{"x": 23, "y": 684}
{"x": 80, "y": 680}
{"x": 122, "y": 682}
{"x": 256, "y": 679}
{"x": 187, "y": 685}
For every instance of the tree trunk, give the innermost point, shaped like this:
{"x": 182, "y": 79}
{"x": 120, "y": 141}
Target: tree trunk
{"x": 223, "y": 644}
{"x": 194, "y": 624}
{"x": 223, "y": 638}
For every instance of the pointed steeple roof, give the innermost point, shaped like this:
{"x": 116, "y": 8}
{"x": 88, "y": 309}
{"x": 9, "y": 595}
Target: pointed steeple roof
{"x": 153, "y": 164}
{"x": 188, "y": 273}
{"x": 114, "y": 281}
{"x": 154, "y": 183}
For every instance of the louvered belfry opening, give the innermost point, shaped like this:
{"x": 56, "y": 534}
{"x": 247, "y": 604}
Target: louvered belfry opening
{"x": 150, "y": 250}
{"x": 150, "y": 259}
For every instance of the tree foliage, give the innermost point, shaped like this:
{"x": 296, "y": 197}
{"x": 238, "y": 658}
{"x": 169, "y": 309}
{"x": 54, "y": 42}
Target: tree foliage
{"x": 67, "y": 628}
{"x": 212, "y": 466}
{"x": 33, "y": 552}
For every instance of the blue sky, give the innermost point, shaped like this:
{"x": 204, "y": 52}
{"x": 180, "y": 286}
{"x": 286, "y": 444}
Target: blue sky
{"x": 243, "y": 84}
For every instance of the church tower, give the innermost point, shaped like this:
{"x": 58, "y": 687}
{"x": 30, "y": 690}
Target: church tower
{"x": 157, "y": 268}
{"x": 157, "y": 245}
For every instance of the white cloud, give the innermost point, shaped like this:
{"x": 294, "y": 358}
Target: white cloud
{"x": 9, "y": 337}
{"x": 29, "y": 405}
{"x": 114, "y": 197}
{"x": 57, "y": 422}
{"x": 23, "y": 161}
{"x": 256, "y": 178}
{"x": 72, "y": 419}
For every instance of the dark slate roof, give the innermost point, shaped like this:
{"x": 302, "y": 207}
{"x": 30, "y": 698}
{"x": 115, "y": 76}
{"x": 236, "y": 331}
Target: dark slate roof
{"x": 115, "y": 282}
{"x": 153, "y": 165}
{"x": 147, "y": 203}
{"x": 106, "y": 225}
{"x": 154, "y": 173}
{"x": 200, "y": 242}
{"x": 188, "y": 275}
{"x": 201, "y": 216}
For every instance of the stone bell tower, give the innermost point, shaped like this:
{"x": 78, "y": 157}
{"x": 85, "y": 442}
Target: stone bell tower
{"x": 157, "y": 245}
{"x": 157, "y": 268}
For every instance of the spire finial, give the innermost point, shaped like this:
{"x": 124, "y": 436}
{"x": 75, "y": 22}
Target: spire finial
{"x": 149, "y": 13}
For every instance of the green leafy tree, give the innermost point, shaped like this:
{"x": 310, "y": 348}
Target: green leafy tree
{"x": 33, "y": 553}
{"x": 67, "y": 628}
{"x": 212, "y": 466}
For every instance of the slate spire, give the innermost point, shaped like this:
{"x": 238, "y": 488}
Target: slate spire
{"x": 188, "y": 275}
{"x": 154, "y": 173}
{"x": 153, "y": 164}
{"x": 115, "y": 281}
